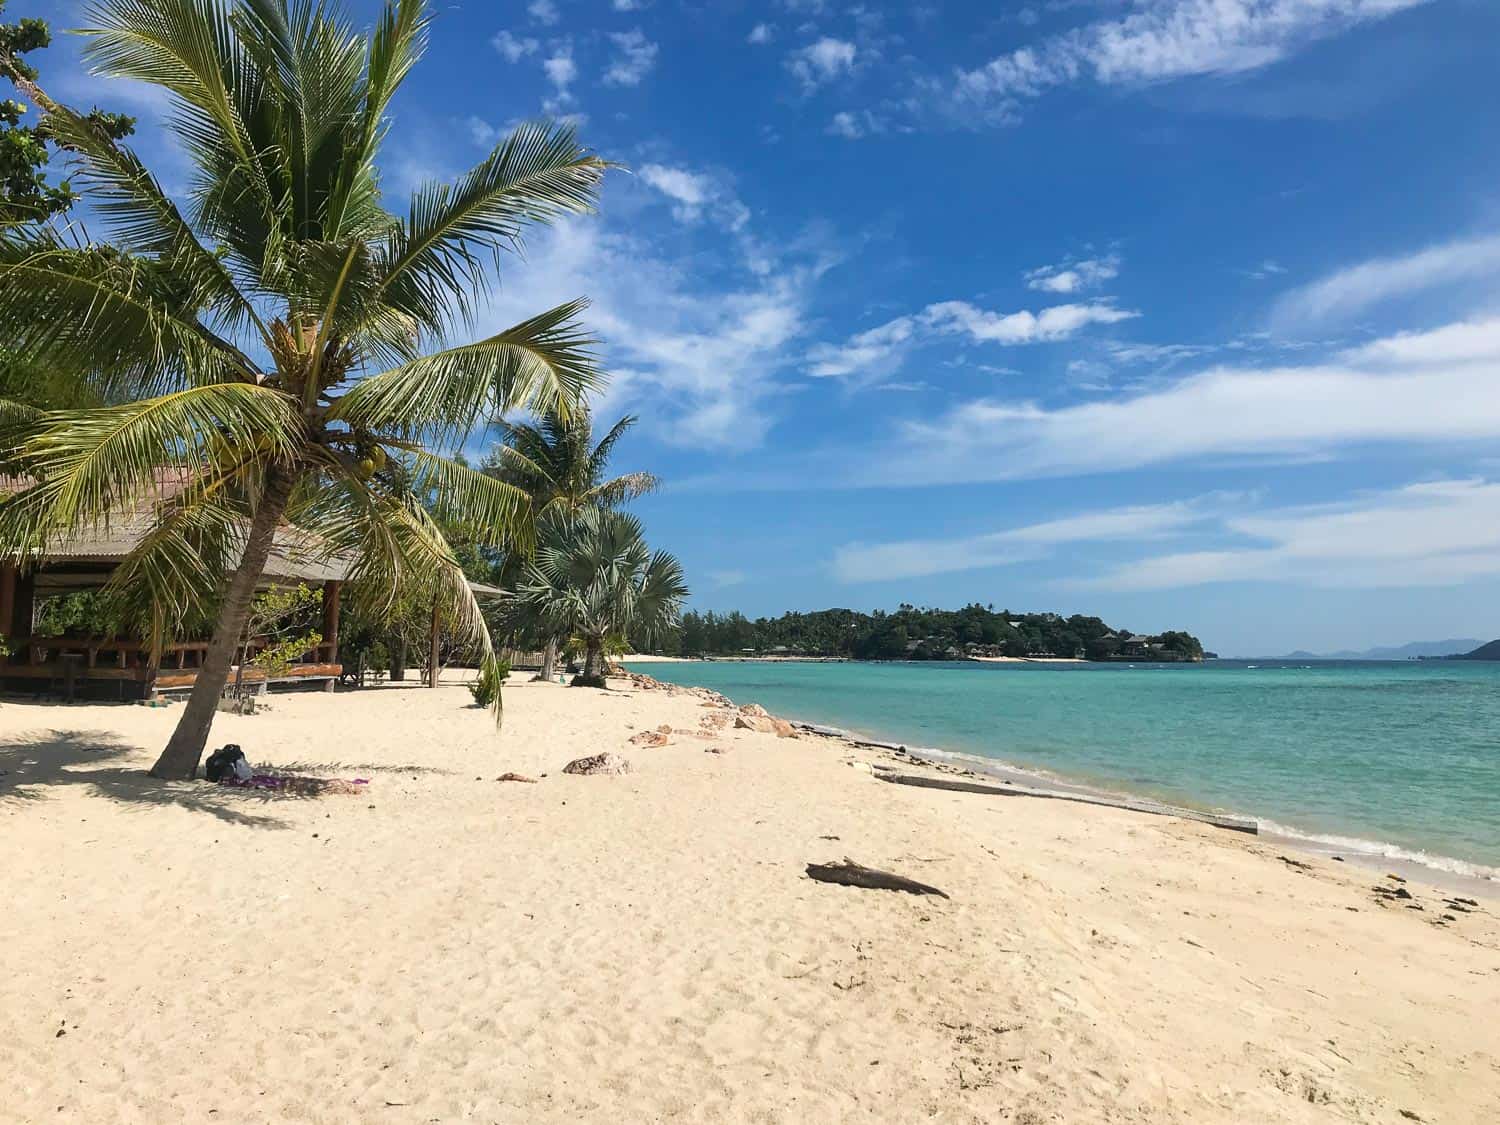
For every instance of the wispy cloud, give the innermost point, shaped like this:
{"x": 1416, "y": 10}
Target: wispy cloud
{"x": 696, "y": 194}
{"x": 544, "y": 12}
{"x": 1420, "y": 388}
{"x": 514, "y": 48}
{"x": 761, "y": 34}
{"x": 1348, "y": 292}
{"x": 1426, "y": 534}
{"x": 915, "y": 558}
{"x": 696, "y": 345}
{"x": 1169, "y": 39}
{"x": 561, "y": 71}
{"x": 853, "y": 125}
{"x": 870, "y": 355}
{"x": 635, "y": 56}
{"x": 1074, "y": 277}
{"x": 821, "y": 62}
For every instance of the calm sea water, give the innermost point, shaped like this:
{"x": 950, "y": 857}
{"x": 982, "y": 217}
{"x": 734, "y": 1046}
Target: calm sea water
{"x": 1401, "y": 758}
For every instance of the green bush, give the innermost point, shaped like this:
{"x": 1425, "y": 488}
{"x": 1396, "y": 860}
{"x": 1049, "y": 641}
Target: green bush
{"x": 487, "y": 686}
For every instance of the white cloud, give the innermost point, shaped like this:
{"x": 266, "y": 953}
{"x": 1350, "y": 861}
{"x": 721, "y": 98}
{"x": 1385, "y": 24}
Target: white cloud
{"x": 636, "y": 56}
{"x": 514, "y": 48}
{"x": 561, "y": 71}
{"x": 761, "y": 34}
{"x": 1166, "y": 40}
{"x": 870, "y": 355}
{"x": 725, "y": 578}
{"x": 695, "y": 345}
{"x": 1436, "y": 387}
{"x": 696, "y": 194}
{"x": 485, "y": 135}
{"x": 544, "y": 12}
{"x": 1427, "y": 534}
{"x": 854, "y": 125}
{"x": 822, "y": 62}
{"x": 1268, "y": 268}
{"x": 1348, "y": 292}
{"x": 629, "y": 5}
{"x": 915, "y": 558}
{"x": 1074, "y": 277}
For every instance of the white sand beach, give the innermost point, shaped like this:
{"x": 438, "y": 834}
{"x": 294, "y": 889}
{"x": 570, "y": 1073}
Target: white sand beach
{"x": 444, "y": 946}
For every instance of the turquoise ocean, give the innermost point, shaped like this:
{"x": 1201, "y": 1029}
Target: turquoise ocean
{"x": 1400, "y": 759}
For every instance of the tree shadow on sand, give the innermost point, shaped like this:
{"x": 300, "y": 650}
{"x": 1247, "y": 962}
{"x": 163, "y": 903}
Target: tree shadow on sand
{"x": 36, "y": 761}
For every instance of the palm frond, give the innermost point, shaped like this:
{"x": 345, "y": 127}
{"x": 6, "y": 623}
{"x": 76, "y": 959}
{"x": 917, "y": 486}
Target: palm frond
{"x": 144, "y": 221}
{"x": 498, "y": 511}
{"x": 435, "y": 260}
{"x": 540, "y": 363}
{"x": 129, "y": 320}
{"x": 91, "y": 466}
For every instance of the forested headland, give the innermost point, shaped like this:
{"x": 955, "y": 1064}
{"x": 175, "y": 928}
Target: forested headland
{"x": 912, "y": 633}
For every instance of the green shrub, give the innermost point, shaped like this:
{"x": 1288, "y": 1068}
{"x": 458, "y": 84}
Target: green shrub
{"x": 487, "y": 686}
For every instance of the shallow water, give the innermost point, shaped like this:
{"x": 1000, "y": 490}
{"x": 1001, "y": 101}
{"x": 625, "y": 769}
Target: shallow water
{"x": 1399, "y": 758}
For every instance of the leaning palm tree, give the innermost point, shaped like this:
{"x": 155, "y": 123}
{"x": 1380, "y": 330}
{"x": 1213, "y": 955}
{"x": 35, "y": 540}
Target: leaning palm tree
{"x": 281, "y": 347}
{"x": 561, "y": 469}
{"x": 593, "y": 577}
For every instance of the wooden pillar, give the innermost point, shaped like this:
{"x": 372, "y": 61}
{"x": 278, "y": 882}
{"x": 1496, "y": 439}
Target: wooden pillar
{"x": 331, "y": 591}
{"x": 432, "y": 647}
{"x": 7, "y": 599}
{"x": 23, "y": 607}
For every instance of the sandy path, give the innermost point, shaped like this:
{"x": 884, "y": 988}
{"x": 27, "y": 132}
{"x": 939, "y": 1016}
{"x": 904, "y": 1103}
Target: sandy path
{"x": 646, "y": 948}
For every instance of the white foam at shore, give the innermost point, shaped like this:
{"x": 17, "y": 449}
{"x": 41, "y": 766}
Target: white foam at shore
{"x": 1355, "y": 845}
{"x": 1322, "y": 843}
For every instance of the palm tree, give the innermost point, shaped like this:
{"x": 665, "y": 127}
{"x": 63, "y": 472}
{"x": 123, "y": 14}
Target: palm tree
{"x": 594, "y": 577}
{"x": 284, "y": 345}
{"x": 560, "y": 468}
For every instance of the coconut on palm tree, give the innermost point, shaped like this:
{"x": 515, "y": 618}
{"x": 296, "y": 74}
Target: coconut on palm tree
{"x": 283, "y": 344}
{"x": 593, "y": 577}
{"x": 560, "y": 467}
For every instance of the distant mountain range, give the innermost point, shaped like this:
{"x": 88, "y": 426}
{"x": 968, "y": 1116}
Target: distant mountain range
{"x": 1465, "y": 645}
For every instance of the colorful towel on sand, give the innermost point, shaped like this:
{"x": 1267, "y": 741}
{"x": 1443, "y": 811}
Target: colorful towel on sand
{"x": 292, "y": 785}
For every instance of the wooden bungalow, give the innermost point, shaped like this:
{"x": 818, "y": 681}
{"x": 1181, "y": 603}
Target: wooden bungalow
{"x": 124, "y": 667}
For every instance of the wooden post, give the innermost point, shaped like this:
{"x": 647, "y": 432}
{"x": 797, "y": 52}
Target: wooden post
{"x": 23, "y": 608}
{"x": 331, "y": 591}
{"x": 432, "y": 647}
{"x": 7, "y": 599}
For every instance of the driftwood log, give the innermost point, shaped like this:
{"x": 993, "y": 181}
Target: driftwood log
{"x": 851, "y": 874}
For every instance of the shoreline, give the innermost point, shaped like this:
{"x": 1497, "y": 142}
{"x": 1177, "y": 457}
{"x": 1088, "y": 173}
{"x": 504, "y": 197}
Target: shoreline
{"x": 1447, "y": 872}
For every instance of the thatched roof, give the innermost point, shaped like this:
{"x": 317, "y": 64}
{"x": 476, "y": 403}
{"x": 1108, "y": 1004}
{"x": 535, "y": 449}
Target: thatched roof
{"x": 296, "y": 555}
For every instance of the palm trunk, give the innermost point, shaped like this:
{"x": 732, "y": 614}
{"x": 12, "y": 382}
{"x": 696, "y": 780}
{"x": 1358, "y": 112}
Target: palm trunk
{"x": 593, "y": 666}
{"x": 398, "y": 661}
{"x": 549, "y": 660}
{"x": 180, "y": 758}
{"x": 433, "y": 667}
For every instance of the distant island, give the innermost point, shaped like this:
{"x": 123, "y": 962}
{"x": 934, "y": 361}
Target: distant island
{"x": 1489, "y": 651}
{"x": 975, "y": 632}
{"x": 1413, "y": 650}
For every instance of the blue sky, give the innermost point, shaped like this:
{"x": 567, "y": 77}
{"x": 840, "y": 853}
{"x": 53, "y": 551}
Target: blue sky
{"x": 1181, "y": 312}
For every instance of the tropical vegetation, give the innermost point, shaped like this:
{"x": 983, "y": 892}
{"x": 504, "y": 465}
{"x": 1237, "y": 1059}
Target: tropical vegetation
{"x": 561, "y": 468}
{"x": 283, "y": 344}
{"x": 593, "y": 577}
{"x": 911, "y": 633}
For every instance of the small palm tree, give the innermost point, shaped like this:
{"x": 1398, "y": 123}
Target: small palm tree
{"x": 284, "y": 345}
{"x": 561, "y": 469}
{"x": 558, "y": 464}
{"x": 594, "y": 577}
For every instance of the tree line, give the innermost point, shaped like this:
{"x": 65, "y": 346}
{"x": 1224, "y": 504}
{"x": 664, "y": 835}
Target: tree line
{"x": 913, "y": 633}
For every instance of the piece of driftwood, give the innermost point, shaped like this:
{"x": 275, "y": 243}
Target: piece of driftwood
{"x": 851, "y": 874}
{"x": 1133, "y": 804}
